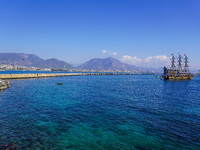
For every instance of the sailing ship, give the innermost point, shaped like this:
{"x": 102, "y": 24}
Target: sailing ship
{"x": 178, "y": 72}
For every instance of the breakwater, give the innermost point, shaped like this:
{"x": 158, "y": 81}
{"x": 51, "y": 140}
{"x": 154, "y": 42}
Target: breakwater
{"x": 44, "y": 75}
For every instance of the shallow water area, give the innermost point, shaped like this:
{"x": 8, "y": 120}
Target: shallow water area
{"x": 101, "y": 112}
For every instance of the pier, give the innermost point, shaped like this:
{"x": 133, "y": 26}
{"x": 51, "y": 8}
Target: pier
{"x": 45, "y": 75}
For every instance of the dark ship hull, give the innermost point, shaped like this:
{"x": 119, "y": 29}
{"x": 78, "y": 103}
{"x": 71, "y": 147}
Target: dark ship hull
{"x": 178, "y": 78}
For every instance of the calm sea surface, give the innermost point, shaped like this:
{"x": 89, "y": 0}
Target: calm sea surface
{"x": 136, "y": 112}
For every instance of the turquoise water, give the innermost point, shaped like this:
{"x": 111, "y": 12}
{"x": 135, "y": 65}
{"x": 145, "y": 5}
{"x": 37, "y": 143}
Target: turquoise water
{"x": 136, "y": 112}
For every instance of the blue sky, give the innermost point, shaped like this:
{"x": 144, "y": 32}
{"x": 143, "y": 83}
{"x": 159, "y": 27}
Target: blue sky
{"x": 138, "y": 32}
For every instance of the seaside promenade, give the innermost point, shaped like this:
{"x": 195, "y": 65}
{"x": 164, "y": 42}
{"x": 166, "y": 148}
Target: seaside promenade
{"x": 45, "y": 75}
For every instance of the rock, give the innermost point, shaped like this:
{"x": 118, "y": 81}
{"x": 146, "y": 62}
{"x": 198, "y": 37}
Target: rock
{"x": 4, "y": 84}
{"x": 9, "y": 146}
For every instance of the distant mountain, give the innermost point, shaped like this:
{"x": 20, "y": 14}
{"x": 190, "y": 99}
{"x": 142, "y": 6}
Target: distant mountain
{"x": 108, "y": 64}
{"x": 31, "y": 60}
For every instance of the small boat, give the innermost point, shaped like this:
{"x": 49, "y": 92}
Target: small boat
{"x": 58, "y": 83}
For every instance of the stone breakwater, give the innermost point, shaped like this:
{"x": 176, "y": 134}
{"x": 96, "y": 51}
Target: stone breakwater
{"x": 4, "y": 84}
{"x": 24, "y": 76}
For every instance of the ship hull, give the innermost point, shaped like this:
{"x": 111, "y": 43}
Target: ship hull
{"x": 178, "y": 78}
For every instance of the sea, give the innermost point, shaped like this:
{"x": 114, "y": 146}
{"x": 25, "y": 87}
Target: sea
{"x": 116, "y": 112}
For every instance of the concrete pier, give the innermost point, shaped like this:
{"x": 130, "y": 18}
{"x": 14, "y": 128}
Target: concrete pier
{"x": 44, "y": 75}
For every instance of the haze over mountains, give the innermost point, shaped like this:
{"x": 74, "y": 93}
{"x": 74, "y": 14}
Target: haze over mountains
{"x": 107, "y": 64}
{"x": 31, "y": 60}
{"x": 100, "y": 64}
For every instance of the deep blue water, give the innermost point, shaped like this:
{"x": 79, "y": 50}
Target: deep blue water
{"x": 135, "y": 112}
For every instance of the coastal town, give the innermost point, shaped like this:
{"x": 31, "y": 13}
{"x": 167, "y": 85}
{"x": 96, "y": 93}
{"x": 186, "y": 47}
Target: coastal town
{"x": 4, "y": 67}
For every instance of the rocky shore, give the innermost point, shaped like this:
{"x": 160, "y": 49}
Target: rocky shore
{"x": 4, "y": 84}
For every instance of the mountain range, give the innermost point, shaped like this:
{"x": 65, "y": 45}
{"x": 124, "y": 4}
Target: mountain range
{"x": 107, "y": 64}
{"x": 31, "y": 60}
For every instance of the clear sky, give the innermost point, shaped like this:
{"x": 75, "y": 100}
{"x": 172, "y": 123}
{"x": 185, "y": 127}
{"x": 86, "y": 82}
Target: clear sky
{"x": 138, "y": 32}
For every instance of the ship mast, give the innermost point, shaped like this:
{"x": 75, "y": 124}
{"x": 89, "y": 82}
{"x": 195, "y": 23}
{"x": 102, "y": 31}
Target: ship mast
{"x": 179, "y": 67}
{"x": 173, "y": 62}
{"x": 186, "y": 67}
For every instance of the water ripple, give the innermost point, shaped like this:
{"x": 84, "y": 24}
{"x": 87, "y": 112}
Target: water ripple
{"x": 101, "y": 112}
